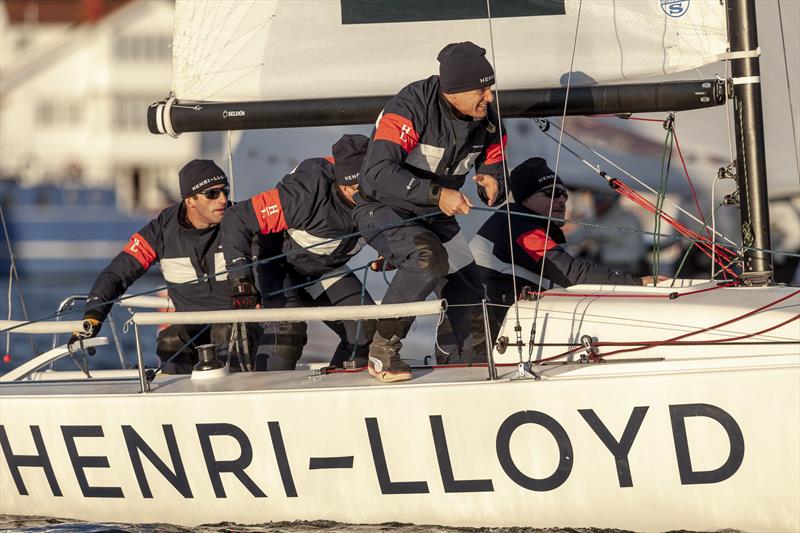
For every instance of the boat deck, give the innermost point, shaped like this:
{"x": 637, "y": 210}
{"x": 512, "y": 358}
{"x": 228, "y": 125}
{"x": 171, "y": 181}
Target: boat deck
{"x": 297, "y": 380}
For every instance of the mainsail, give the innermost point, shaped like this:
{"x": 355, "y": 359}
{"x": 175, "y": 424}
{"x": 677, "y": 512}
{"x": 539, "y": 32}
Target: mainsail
{"x": 267, "y": 50}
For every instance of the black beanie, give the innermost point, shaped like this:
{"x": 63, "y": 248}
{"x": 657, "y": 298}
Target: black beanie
{"x": 464, "y": 67}
{"x": 348, "y": 154}
{"x": 530, "y": 176}
{"x": 198, "y": 175}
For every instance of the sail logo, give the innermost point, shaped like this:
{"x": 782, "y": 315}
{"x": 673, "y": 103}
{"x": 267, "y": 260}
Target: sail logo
{"x": 675, "y": 8}
{"x": 227, "y": 114}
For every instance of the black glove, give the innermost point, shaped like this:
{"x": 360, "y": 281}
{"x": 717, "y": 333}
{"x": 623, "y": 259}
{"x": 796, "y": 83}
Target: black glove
{"x": 92, "y": 328}
{"x": 245, "y": 295}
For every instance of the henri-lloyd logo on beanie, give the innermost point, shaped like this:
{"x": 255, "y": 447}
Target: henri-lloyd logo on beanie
{"x": 463, "y": 67}
{"x": 348, "y": 154}
{"x": 530, "y": 176}
{"x": 198, "y": 175}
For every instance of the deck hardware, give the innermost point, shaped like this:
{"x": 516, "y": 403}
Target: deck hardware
{"x": 488, "y": 339}
{"x": 502, "y": 344}
{"x": 144, "y": 384}
{"x": 590, "y": 354}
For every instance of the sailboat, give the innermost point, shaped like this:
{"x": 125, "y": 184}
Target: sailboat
{"x": 638, "y": 408}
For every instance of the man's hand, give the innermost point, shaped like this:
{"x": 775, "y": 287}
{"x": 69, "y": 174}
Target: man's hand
{"x": 648, "y": 280}
{"x": 245, "y": 295}
{"x": 381, "y": 264}
{"x": 91, "y": 329}
{"x": 489, "y": 185}
{"x": 453, "y": 202}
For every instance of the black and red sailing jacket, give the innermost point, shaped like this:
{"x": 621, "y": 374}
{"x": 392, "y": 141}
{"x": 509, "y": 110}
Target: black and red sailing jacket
{"x": 309, "y": 207}
{"x": 186, "y": 254}
{"x": 419, "y": 145}
{"x": 492, "y": 251}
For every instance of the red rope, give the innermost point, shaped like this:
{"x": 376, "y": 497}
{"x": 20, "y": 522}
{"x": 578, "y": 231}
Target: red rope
{"x": 689, "y": 179}
{"x": 645, "y": 345}
{"x": 709, "y": 328}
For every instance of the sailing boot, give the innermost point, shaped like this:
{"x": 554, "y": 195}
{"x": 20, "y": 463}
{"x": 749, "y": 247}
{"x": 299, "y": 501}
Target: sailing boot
{"x": 385, "y": 364}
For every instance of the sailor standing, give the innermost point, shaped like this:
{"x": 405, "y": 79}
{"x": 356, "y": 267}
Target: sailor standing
{"x": 313, "y": 205}
{"x": 532, "y": 185}
{"x": 184, "y": 239}
{"x": 426, "y": 140}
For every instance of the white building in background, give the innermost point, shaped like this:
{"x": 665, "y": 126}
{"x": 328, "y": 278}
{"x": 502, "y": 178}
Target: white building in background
{"x": 76, "y": 78}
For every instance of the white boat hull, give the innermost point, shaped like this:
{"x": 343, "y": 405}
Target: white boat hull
{"x": 717, "y": 448}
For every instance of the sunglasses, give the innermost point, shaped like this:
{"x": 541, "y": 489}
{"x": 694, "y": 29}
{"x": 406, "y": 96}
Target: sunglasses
{"x": 560, "y": 193}
{"x": 213, "y": 194}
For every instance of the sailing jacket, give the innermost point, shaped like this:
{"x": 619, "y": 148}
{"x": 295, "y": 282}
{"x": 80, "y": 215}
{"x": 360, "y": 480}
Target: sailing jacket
{"x": 186, "y": 254}
{"x": 419, "y": 145}
{"x": 491, "y": 250}
{"x": 308, "y": 205}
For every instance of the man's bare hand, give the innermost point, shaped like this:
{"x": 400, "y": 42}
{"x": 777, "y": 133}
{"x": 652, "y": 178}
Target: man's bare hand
{"x": 489, "y": 185}
{"x": 648, "y": 280}
{"x": 453, "y": 202}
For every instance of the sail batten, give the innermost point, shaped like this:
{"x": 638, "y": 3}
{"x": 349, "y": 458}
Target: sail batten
{"x": 266, "y": 50}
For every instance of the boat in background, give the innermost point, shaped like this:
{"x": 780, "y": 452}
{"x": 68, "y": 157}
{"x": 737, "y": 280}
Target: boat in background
{"x": 674, "y": 407}
{"x": 63, "y": 229}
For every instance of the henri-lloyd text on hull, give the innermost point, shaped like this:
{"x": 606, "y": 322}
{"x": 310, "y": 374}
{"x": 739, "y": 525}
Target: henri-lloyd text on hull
{"x": 227, "y": 453}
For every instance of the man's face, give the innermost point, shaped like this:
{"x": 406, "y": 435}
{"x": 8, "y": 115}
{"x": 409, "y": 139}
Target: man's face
{"x": 473, "y": 103}
{"x": 348, "y": 191}
{"x": 539, "y": 202}
{"x": 207, "y": 207}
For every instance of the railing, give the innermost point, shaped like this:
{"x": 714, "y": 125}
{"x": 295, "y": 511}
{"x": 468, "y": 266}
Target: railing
{"x": 346, "y": 312}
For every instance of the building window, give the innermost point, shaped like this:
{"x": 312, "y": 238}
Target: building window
{"x": 130, "y": 113}
{"x": 54, "y": 113}
{"x": 144, "y": 48}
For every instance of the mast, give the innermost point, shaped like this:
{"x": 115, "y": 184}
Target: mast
{"x": 751, "y": 165}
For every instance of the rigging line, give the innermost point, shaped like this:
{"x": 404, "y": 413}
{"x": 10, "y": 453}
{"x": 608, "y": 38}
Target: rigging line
{"x": 626, "y": 191}
{"x": 14, "y": 275}
{"x": 517, "y": 326}
{"x": 725, "y": 323}
{"x": 632, "y": 230}
{"x": 179, "y": 350}
{"x": 207, "y": 277}
{"x": 651, "y": 344}
{"x": 689, "y": 179}
{"x": 634, "y": 178}
{"x": 327, "y": 276}
{"x": 558, "y": 161}
{"x": 662, "y": 193}
{"x": 789, "y": 93}
{"x": 232, "y": 197}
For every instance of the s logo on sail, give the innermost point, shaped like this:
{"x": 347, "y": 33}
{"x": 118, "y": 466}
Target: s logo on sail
{"x": 675, "y": 8}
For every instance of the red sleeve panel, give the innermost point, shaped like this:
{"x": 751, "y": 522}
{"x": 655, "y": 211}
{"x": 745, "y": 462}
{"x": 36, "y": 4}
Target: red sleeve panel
{"x": 397, "y": 129}
{"x": 494, "y": 152}
{"x": 269, "y": 212}
{"x": 535, "y": 243}
{"x": 140, "y": 250}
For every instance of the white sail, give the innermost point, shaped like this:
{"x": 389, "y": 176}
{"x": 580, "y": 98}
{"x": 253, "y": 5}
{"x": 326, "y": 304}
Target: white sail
{"x": 301, "y": 49}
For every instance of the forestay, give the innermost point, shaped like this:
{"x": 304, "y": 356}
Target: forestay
{"x": 258, "y": 50}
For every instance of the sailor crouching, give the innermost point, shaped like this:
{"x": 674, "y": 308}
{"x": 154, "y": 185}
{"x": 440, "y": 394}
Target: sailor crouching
{"x": 533, "y": 185}
{"x": 184, "y": 239}
{"x": 307, "y": 220}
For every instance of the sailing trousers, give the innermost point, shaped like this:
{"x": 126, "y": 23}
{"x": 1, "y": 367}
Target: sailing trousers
{"x": 429, "y": 253}
{"x": 178, "y": 352}
{"x": 282, "y": 343}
